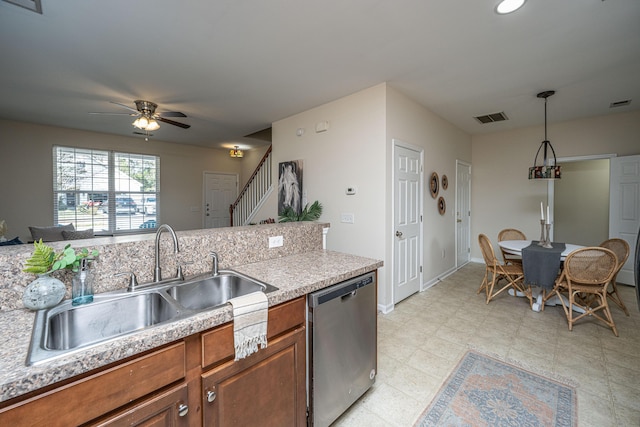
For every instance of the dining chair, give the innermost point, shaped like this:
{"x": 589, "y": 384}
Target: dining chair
{"x": 495, "y": 270}
{"x": 511, "y": 234}
{"x": 621, "y": 248}
{"x": 583, "y": 284}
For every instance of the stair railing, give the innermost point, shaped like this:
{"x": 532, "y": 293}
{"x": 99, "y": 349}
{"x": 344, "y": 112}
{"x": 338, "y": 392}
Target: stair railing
{"x": 254, "y": 193}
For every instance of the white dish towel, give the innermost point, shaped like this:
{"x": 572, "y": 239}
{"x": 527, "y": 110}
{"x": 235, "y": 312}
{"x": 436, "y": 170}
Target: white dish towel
{"x": 250, "y": 313}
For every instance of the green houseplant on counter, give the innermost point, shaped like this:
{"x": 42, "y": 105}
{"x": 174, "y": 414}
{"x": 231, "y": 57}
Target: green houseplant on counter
{"x": 309, "y": 213}
{"x": 47, "y": 291}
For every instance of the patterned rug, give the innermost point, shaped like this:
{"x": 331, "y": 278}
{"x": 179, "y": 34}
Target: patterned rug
{"x": 483, "y": 391}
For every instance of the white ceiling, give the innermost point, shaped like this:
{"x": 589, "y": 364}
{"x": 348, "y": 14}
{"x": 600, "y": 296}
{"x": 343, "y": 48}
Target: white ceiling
{"x": 235, "y": 66}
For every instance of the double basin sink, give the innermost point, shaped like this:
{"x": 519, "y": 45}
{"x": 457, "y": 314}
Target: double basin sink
{"x": 65, "y": 328}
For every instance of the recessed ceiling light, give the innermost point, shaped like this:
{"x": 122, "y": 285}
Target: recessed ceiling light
{"x": 508, "y": 6}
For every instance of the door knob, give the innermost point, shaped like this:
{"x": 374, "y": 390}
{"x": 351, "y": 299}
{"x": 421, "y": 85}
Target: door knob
{"x": 211, "y": 396}
{"x": 399, "y": 233}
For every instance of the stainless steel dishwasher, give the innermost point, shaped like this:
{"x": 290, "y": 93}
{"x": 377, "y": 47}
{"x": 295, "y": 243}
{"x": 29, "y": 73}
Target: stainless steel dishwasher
{"x": 342, "y": 345}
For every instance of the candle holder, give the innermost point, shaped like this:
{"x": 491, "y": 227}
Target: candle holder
{"x": 547, "y": 242}
{"x": 542, "y": 238}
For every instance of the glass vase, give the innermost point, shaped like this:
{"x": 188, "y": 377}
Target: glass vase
{"x": 44, "y": 292}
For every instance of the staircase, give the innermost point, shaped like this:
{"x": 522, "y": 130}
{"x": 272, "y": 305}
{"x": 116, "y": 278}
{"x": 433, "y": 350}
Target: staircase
{"x": 254, "y": 193}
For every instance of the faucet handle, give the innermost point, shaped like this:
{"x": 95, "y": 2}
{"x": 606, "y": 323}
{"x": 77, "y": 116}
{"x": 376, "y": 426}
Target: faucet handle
{"x": 179, "y": 272}
{"x": 214, "y": 268}
{"x": 133, "y": 280}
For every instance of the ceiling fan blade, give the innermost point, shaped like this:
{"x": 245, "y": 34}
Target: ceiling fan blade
{"x": 171, "y": 114}
{"x": 113, "y": 114}
{"x": 125, "y": 106}
{"x": 171, "y": 122}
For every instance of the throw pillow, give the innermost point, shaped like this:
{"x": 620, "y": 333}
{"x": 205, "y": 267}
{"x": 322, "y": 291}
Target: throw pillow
{"x": 50, "y": 234}
{"x": 76, "y": 235}
{"x": 15, "y": 241}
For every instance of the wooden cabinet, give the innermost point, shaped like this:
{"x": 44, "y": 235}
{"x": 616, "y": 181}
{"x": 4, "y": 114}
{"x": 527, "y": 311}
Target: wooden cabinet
{"x": 169, "y": 408}
{"x": 92, "y": 396}
{"x": 267, "y": 388}
{"x": 173, "y": 385}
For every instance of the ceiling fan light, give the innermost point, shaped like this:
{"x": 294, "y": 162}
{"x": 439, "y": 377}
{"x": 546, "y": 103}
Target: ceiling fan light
{"x": 141, "y": 122}
{"x": 153, "y": 125}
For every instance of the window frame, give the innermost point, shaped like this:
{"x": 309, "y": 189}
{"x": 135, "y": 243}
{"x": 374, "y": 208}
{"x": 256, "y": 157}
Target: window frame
{"x": 90, "y": 187}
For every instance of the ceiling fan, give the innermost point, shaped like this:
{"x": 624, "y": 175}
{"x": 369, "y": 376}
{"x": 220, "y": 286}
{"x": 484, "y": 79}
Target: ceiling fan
{"x": 147, "y": 118}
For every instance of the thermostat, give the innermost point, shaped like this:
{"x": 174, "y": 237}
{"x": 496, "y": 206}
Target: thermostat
{"x": 350, "y": 191}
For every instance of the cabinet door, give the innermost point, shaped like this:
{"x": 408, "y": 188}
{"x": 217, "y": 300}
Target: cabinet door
{"x": 168, "y": 409}
{"x": 266, "y": 389}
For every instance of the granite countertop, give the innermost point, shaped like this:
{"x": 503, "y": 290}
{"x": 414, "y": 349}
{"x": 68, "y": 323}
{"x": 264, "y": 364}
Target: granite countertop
{"x": 294, "y": 276}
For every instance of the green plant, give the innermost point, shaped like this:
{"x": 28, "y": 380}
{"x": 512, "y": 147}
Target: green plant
{"x": 44, "y": 259}
{"x": 309, "y": 213}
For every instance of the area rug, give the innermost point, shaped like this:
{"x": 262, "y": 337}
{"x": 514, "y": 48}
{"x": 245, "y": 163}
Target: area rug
{"x": 484, "y": 391}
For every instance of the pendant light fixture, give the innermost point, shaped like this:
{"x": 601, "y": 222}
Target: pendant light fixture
{"x": 236, "y": 152}
{"x": 549, "y": 168}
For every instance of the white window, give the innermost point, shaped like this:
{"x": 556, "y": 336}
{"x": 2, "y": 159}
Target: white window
{"x": 107, "y": 191}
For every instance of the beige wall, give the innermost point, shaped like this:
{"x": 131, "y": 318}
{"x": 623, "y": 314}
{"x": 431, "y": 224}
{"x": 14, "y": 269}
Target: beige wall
{"x": 443, "y": 144}
{"x": 356, "y": 151}
{"x": 26, "y": 173}
{"x": 502, "y": 195}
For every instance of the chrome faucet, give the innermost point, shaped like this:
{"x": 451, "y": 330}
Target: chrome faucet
{"x": 157, "y": 272}
{"x": 214, "y": 269}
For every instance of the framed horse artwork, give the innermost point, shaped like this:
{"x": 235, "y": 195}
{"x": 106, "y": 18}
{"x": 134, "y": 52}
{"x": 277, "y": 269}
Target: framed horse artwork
{"x": 290, "y": 186}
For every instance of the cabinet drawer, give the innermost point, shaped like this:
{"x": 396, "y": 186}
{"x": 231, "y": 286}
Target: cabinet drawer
{"x": 160, "y": 410}
{"x": 217, "y": 344}
{"x": 97, "y": 394}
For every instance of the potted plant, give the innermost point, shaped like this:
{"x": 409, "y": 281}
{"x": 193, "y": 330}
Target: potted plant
{"x": 309, "y": 213}
{"x": 47, "y": 291}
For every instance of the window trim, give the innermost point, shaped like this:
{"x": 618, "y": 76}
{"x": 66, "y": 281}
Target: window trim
{"x": 116, "y": 224}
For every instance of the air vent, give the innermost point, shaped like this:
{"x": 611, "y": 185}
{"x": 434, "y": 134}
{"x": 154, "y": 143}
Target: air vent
{"x": 34, "y": 5}
{"x": 493, "y": 117}
{"x": 620, "y": 103}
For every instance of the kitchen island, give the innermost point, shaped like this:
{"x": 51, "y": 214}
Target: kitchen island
{"x": 295, "y": 275}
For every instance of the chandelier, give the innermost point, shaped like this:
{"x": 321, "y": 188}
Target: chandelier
{"x": 549, "y": 168}
{"x": 236, "y": 152}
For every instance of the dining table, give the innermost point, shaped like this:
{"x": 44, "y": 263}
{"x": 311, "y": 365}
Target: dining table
{"x": 540, "y": 265}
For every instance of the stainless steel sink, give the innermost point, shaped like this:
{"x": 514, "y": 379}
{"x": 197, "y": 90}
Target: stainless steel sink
{"x": 65, "y": 328}
{"x": 210, "y": 292}
{"x": 86, "y": 324}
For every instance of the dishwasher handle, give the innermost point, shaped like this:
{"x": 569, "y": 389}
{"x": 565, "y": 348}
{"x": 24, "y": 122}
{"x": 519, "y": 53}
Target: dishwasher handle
{"x": 344, "y": 290}
{"x": 350, "y": 295}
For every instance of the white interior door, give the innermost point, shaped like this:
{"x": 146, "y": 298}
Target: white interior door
{"x": 221, "y": 189}
{"x": 463, "y": 213}
{"x": 407, "y": 205}
{"x": 624, "y": 205}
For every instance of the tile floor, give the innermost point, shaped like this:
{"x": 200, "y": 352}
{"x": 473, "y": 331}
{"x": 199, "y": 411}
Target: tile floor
{"x": 422, "y": 340}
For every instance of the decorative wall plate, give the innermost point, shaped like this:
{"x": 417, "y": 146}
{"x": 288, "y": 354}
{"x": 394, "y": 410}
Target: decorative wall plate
{"x": 442, "y": 206}
{"x": 445, "y": 182}
{"x": 434, "y": 185}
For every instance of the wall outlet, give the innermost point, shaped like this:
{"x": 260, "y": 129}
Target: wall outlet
{"x": 347, "y": 218}
{"x": 275, "y": 241}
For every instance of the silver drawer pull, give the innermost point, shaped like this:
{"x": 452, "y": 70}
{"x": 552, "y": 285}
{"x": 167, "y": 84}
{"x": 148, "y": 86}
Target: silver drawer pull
{"x": 211, "y": 396}
{"x": 183, "y": 409}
